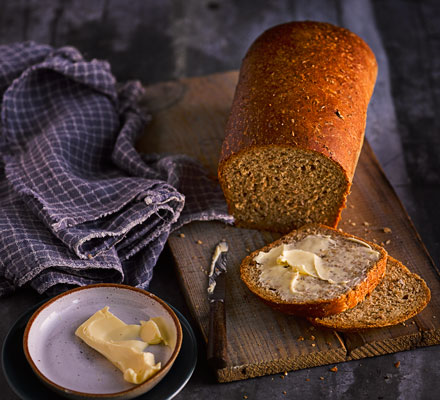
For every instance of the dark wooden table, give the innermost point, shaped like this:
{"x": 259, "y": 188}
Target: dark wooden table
{"x": 158, "y": 40}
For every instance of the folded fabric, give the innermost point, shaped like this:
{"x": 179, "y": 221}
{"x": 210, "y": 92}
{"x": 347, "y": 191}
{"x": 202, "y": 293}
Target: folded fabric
{"x": 78, "y": 203}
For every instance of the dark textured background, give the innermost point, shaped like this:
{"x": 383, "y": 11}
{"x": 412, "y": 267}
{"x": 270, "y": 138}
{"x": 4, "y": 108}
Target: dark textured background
{"x": 156, "y": 40}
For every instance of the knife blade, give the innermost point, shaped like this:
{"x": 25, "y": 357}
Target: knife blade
{"x": 217, "y": 338}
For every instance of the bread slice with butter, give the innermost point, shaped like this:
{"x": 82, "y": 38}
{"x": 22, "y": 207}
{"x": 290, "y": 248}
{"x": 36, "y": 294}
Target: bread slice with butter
{"x": 315, "y": 271}
{"x": 399, "y": 296}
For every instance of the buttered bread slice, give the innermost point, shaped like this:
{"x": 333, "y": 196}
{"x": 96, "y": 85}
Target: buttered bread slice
{"x": 315, "y": 271}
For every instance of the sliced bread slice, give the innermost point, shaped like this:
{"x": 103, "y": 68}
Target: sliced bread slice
{"x": 314, "y": 271}
{"x": 399, "y": 296}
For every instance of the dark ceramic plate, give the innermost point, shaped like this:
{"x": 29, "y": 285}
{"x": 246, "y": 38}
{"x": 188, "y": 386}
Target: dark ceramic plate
{"x": 26, "y": 385}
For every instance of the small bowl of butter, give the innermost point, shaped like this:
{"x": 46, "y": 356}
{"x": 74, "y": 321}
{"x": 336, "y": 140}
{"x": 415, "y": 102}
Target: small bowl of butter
{"x": 105, "y": 341}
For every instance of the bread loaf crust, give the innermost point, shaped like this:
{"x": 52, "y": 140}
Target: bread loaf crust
{"x": 320, "y": 76}
{"x": 305, "y": 85}
{"x": 319, "y": 308}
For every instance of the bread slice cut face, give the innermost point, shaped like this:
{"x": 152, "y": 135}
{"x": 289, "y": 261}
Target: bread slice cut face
{"x": 315, "y": 271}
{"x": 279, "y": 188}
{"x": 399, "y": 296}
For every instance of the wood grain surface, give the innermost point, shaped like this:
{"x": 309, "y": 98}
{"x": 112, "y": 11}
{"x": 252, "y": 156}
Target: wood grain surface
{"x": 189, "y": 116}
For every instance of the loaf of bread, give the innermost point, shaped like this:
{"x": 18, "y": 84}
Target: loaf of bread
{"x": 399, "y": 296}
{"x": 314, "y": 271}
{"x": 296, "y": 126}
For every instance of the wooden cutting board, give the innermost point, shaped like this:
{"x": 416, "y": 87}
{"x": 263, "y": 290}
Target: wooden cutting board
{"x": 189, "y": 116}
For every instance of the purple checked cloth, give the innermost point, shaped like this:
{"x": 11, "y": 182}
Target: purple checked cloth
{"x": 78, "y": 203}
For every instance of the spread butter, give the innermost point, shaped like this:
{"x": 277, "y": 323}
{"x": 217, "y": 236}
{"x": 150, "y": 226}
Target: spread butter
{"x": 317, "y": 266}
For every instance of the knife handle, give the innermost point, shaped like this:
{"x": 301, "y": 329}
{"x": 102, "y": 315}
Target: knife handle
{"x": 217, "y": 338}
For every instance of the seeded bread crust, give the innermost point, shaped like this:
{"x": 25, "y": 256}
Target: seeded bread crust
{"x": 249, "y": 274}
{"x": 302, "y": 85}
{"x": 400, "y": 295}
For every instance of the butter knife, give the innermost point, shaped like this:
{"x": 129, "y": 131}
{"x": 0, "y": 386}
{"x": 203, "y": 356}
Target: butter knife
{"x": 217, "y": 339}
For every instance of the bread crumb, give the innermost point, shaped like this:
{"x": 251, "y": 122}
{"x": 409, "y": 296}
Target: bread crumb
{"x": 182, "y": 235}
{"x": 353, "y": 223}
{"x": 248, "y": 250}
{"x": 329, "y": 343}
{"x": 245, "y": 396}
{"x": 284, "y": 392}
{"x": 397, "y": 364}
{"x": 300, "y": 339}
{"x": 334, "y": 369}
{"x": 366, "y": 223}
{"x": 388, "y": 241}
{"x": 322, "y": 378}
{"x": 313, "y": 344}
{"x": 312, "y": 337}
{"x": 285, "y": 373}
{"x": 351, "y": 205}
{"x": 387, "y": 230}
{"x": 199, "y": 241}
{"x": 282, "y": 376}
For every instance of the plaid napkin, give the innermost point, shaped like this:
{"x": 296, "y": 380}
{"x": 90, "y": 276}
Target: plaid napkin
{"x": 78, "y": 203}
